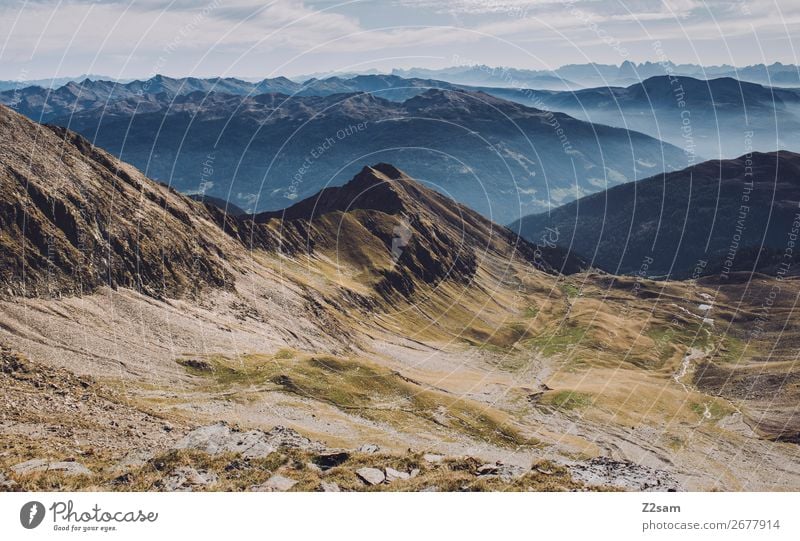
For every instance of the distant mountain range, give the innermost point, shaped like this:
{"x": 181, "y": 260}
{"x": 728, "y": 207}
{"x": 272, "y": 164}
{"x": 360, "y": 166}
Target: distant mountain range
{"x": 576, "y": 76}
{"x": 54, "y": 82}
{"x": 261, "y": 152}
{"x": 45, "y": 103}
{"x": 567, "y": 77}
{"x": 713, "y": 218}
{"x": 717, "y": 118}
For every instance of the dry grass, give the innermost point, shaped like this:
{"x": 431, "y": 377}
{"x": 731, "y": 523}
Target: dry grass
{"x": 356, "y": 387}
{"x": 236, "y": 474}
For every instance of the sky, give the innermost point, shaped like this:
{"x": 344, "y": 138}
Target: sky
{"x": 247, "y": 38}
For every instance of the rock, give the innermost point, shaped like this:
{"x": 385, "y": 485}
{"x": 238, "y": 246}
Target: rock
{"x": 432, "y": 459}
{"x": 331, "y": 460}
{"x": 604, "y": 471}
{"x": 369, "y": 448}
{"x": 506, "y": 472}
{"x": 313, "y": 467}
{"x": 286, "y": 438}
{"x": 41, "y": 465}
{"x": 133, "y": 459}
{"x": 395, "y": 475}
{"x": 329, "y": 487}
{"x": 7, "y": 485}
{"x": 276, "y": 483}
{"x": 124, "y": 479}
{"x": 237, "y": 465}
{"x": 414, "y": 473}
{"x": 187, "y": 479}
{"x": 221, "y": 438}
{"x": 371, "y": 476}
{"x": 196, "y": 364}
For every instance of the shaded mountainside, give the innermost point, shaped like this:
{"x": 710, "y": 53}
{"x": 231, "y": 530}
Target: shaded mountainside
{"x": 267, "y": 151}
{"x": 714, "y": 118}
{"x": 702, "y": 220}
{"x": 74, "y": 218}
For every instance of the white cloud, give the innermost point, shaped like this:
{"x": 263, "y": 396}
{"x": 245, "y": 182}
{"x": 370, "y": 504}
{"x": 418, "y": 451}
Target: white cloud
{"x": 125, "y": 38}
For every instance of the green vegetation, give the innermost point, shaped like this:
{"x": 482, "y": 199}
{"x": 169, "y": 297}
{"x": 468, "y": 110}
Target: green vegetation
{"x": 357, "y": 388}
{"x": 566, "y": 400}
{"x": 564, "y": 338}
{"x": 532, "y": 311}
{"x": 731, "y": 349}
{"x": 673, "y": 340}
{"x": 570, "y": 290}
{"x": 713, "y": 410}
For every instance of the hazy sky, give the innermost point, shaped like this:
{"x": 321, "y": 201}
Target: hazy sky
{"x": 135, "y": 39}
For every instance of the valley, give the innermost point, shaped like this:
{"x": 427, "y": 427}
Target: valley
{"x": 378, "y": 325}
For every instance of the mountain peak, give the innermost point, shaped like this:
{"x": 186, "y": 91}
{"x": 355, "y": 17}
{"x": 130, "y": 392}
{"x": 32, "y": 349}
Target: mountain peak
{"x": 381, "y": 187}
{"x": 381, "y": 207}
{"x": 379, "y": 173}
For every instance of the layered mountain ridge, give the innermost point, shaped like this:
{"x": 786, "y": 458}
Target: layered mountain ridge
{"x": 75, "y": 218}
{"x": 503, "y": 159}
{"x": 716, "y": 118}
{"x": 712, "y": 218}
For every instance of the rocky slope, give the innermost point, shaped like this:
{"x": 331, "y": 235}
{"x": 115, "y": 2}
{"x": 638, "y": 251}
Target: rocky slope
{"x": 74, "y": 218}
{"x": 382, "y": 212}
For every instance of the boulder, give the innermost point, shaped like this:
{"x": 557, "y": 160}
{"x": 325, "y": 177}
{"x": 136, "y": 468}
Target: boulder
{"x": 369, "y": 448}
{"x": 221, "y": 438}
{"x": 276, "y": 483}
{"x": 41, "y": 465}
{"x": 371, "y": 476}
{"x": 7, "y": 485}
{"x": 395, "y": 475}
{"x": 187, "y": 479}
{"x": 506, "y": 472}
{"x": 329, "y": 487}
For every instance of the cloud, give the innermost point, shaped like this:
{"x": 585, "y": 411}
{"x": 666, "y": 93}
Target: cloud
{"x": 129, "y": 37}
